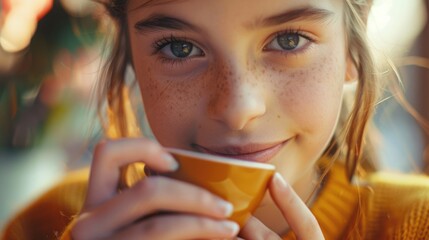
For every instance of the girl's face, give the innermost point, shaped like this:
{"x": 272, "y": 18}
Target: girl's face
{"x": 256, "y": 80}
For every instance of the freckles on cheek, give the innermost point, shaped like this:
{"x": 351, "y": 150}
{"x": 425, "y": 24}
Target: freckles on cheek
{"x": 156, "y": 98}
{"x": 170, "y": 105}
{"x": 313, "y": 95}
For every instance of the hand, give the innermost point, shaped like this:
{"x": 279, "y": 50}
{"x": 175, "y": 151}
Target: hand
{"x": 300, "y": 219}
{"x": 194, "y": 213}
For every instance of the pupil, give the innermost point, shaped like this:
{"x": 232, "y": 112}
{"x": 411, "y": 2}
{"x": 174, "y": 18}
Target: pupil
{"x": 288, "y": 41}
{"x": 181, "y": 49}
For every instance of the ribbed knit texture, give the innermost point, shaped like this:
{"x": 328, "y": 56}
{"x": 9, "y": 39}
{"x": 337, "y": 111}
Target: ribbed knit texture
{"x": 384, "y": 206}
{"x": 400, "y": 206}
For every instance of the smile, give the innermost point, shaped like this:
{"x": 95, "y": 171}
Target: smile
{"x": 251, "y": 152}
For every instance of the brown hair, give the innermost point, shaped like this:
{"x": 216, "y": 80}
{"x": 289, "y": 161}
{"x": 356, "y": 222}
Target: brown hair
{"x": 353, "y": 135}
{"x": 349, "y": 140}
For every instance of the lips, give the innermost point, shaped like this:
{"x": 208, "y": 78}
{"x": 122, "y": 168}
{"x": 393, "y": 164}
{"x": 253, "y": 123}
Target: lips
{"x": 249, "y": 152}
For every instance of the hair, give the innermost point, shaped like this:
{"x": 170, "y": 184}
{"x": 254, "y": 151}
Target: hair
{"x": 349, "y": 140}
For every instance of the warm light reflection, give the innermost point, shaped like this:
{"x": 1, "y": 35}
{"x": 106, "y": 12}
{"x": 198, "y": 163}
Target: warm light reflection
{"x": 394, "y": 25}
{"x": 79, "y": 7}
{"x": 17, "y": 30}
{"x": 20, "y": 22}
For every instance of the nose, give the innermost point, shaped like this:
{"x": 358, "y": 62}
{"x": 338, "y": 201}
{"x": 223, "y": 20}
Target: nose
{"x": 237, "y": 98}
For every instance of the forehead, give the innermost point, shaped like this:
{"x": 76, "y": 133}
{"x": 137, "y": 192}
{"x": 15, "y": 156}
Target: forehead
{"x": 244, "y": 5}
{"x": 211, "y": 14}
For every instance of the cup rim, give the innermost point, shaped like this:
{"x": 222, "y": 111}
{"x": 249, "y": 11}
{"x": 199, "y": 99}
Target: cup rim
{"x": 221, "y": 159}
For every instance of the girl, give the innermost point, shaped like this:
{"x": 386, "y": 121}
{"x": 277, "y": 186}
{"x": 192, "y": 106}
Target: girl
{"x": 254, "y": 80}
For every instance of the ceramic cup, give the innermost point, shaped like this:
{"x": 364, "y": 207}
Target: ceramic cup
{"x": 243, "y": 183}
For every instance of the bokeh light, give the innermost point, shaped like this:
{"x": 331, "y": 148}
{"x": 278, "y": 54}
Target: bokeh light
{"x": 20, "y": 22}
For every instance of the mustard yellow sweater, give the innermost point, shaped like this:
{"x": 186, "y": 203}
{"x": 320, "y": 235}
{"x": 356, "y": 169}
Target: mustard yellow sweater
{"x": 384, "y": 206}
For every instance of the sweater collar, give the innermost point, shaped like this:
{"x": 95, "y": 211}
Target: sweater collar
{"x": 336, "y": 205}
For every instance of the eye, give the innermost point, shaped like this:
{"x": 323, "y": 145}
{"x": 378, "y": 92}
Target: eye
{"x": 177, "y": 49}
{"x": 288, "y": 41}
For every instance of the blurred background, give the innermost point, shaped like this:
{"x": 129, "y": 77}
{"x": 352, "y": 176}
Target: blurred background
{"x": 50, "y": 55}
{"x": 49, "y": 58}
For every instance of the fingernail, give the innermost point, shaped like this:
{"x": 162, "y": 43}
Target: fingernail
{"x": 171, "y": 161}
{"x": 231, "y": 227}
{"x": 226, "y": 208}
{"x": 279, "y": 181}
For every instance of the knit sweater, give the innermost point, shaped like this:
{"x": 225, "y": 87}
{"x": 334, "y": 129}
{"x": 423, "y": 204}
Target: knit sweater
{"x": 381, "y": 206}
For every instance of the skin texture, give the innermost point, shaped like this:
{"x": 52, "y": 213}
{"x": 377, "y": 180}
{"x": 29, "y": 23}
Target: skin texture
{"x": 236, "y": 94}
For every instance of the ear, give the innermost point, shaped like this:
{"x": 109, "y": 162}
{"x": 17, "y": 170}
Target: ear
{"x": 352, "y": 74}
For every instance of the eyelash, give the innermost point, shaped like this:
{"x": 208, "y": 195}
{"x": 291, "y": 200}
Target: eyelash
{"x": 164, "y": 41}
{"x": 297, "y": 31}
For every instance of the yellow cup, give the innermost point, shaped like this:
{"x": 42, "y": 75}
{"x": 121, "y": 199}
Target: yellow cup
{"x": 242, "y": 183}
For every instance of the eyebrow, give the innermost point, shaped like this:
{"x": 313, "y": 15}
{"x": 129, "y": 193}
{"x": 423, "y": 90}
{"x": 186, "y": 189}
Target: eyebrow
{"x": 160, "y": 22}
{"x": 306, "y": 13}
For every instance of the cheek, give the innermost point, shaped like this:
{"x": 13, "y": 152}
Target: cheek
{"x": 171, "y": 106}
{"x": 312, "y": 97}
{"x": 311, "y": 100}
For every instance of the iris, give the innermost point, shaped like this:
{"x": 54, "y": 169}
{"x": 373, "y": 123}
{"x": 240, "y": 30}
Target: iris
{"x": 288, "y": 41}
{"x": 181, "y": 49}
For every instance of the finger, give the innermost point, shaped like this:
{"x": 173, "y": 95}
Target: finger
{"x": 110, "y": 156}
{"x": 149, "y": 196}
{"x": 256, "y": 230}
{"x": 294, "y": 210}
{"x": 180, "y": 227}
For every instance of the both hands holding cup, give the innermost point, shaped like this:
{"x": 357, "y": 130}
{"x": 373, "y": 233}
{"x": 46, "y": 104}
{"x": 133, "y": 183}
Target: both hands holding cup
{"x": 201, "y": 199}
